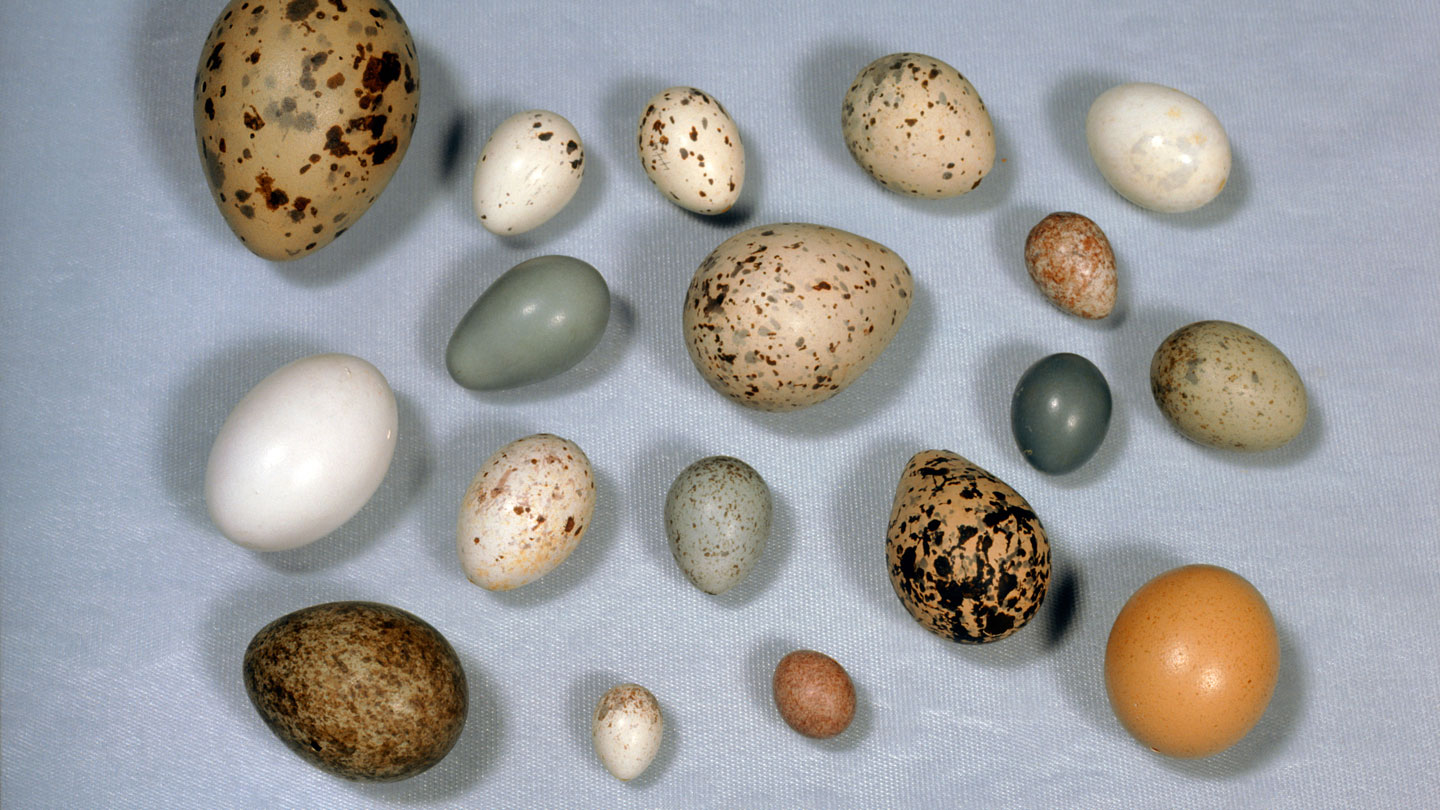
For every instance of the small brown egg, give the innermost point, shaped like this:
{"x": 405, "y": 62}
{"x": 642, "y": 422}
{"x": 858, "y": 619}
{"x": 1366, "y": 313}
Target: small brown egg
{"x": 1192, "y": 661}
{"x": 1071, "y": 263}
{"x": 365, "y": 691}
{"x": 814, "y": 694}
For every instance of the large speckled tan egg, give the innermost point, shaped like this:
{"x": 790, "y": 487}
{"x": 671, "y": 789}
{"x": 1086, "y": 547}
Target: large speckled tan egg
{"x": 968, "y": 557}
{"x": 1192, "y": 661}
{"x": 691, "y": 150}
{"x": 784, "y": 316}
{"x": 1071, "y": 263}
{"x": 1225, "y": 386}
{"x": 303, "y": 111}
{"x": 525, "y": 511}
{"x": 362, "y": 690}
{"x": 918, "y": 126}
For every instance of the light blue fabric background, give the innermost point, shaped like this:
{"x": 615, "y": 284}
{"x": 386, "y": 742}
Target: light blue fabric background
{"x": 131, "y": 321}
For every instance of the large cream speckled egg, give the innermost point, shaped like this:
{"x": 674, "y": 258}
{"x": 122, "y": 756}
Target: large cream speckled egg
{"x": 783, "y": 316}
{"x": 918, "y": 126}
{"x": 1225, "y": 386}
{"x": 525, "y": 511}
{"x": 691, "y": 150}
{"x": 1158, "y": 147}
{"x": 303, "y": 111}
{"x": 968, "y": 557}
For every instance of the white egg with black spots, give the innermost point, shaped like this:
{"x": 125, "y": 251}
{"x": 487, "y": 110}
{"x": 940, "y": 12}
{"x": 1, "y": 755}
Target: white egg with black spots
{"x": 691, "y": 150}
{"x": 626, "y": 730}
{"x": 717, "y": 516}
{"x": 528, "y": 172}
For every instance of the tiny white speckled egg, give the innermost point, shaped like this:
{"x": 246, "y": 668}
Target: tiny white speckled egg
{"x": 918, "y": 126}
{"x": 528, "y": 171}
{"x": 626, "y": 730}
{"x": 717, "y": 516}
{"x": 301, "y": 453}
{"x": 1158, "y": 147}
{"x": 1223, "y": 385}
{"x": 783, "y": 316}
{"x": 525, "y": 511}
{"x": 691, "y": 150}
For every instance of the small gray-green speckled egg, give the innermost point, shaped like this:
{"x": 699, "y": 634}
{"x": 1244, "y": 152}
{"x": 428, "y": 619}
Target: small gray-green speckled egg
{"x": 717, "y": 516}
{"x": 691, "y": 150}
{"x": 365, "y": 691}
{"x": 968, "y": 557}
{"x": 781, "y": 317}
{"x": 303, "y": 111}
{"x": 1223, "y": 385}
{"x": 918, "y": 126}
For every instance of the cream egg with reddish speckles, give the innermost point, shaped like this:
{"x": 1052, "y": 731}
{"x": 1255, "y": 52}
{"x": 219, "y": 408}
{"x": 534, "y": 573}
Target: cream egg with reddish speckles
{"x": 691, "y": 150}
{"x": 781, "y": 317}
{"x": 626, "y": 730}
{"x": 1070, "y": 260}
{"x": 525, "y": 511}
{"x": 303, "y": 112}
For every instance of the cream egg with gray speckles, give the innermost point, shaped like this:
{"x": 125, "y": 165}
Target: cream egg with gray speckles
{"x": 691, "y": 150}
{"x": 525, "y": 511}
{"x": 717, "y": 516}
{"x": 918, "y": 126}
{"x": 783, "y": 316}
{"x": 528, "y": 172}
{"x": 1223, "y": 385}
{"x": 626, "y": 730}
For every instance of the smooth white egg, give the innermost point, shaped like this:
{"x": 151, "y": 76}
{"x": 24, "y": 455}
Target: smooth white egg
{"x": 1158, "y": 147}
{"x": 302, "y": 452}
{"x": 528, "y": 172}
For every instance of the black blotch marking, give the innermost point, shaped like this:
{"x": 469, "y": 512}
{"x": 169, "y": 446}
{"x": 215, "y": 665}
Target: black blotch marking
{"x": 298, "y": 10}
{"x": 383, "y": 151}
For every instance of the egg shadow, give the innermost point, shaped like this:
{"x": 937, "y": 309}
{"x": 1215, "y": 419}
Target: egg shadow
{"x": 1066, "y": 108}
{"x": 581, "y": 701}
{"x": 1133, "y": 355}
{"x": 619, "y": 111}
{"x": 879, "y": 388}
{"x": 992, "y": 384}
{"x": 197, "y": 409}
{"x": 861, "y": 512}
{"x": 824, "y": 77}
{"x": 463, "y": 284}
{"x": 759, "y": 676}
{"x": 419, "y": 181}
{"x": 660, "y": 263}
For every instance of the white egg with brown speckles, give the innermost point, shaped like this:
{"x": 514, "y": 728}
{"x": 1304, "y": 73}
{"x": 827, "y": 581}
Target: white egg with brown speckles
{"x": 691, "y": 150}
{"x": 626, "y": 730}
{"x": 303, "y": 112}
{"x": 918, "y": 126}
{"x": 783, "y": 316}
{"x": 717, "y": 516}
{"x": 525, "y": 511}
{"x": 1225, "y": 386}
{"x": 528, "y": 172}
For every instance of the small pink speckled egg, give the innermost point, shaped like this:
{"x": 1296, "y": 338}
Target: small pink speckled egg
{"x": 1071, "y": 263}
{"x": 525, "y": 511}
{"x": 918, "y": 126}
{"x": 814, "y": 694}
{"x": 783, "y": 316}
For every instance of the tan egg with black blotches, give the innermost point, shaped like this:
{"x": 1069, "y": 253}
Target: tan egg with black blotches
{"x": 303, "y": 112}
{"x": 784, "y": 316}
{"x": 525, "y": 512}
{"x": 918, "y": 126}
{"x": 691, "y": 150}
{"x": 967, "y": 555}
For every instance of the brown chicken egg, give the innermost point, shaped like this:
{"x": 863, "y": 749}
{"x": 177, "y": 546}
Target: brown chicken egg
{"x": 1192, "y": 661}
{"x": 303, "y": 111}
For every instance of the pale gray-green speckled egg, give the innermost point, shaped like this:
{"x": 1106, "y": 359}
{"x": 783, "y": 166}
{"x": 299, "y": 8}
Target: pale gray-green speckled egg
{"x": 717, "y": 516}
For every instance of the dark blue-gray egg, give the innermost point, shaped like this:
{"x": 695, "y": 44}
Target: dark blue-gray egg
{"x": 540, "y": 318}
{"x": 1060, "y": 412}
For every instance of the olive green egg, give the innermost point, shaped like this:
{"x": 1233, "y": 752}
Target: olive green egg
{"x": 539, "y": 319}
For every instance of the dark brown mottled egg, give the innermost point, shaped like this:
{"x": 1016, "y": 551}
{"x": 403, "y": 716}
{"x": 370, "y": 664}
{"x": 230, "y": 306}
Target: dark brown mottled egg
{"x": 303, "y": 111}
{"x": 968, "y": 557}
{"x": 365, "y": 691}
